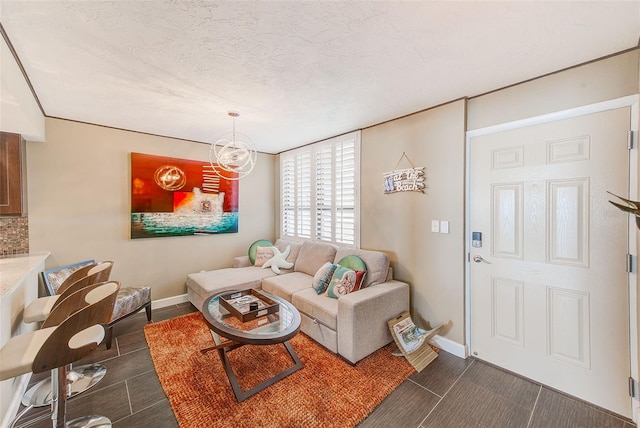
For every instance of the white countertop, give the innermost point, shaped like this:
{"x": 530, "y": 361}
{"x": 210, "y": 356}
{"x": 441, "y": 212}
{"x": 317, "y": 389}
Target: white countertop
{"x": 13, "y": 270}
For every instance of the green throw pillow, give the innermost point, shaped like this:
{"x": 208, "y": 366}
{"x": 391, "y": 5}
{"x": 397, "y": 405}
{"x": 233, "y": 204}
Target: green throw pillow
{"x": 254, "y": 247}
{"x": 353, "y": 262}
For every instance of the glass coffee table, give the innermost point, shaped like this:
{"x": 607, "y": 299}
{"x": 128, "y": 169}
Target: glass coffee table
{"x": 230, "y": 333}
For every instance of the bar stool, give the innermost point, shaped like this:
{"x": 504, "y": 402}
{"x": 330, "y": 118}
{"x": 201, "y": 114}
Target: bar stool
{"x": 39, "y": 309}
{"x": 55, "y": 279}
{"x": 78, "y": 332}
{"x": 83, "y": 377}
{"x": 130, "y": 300}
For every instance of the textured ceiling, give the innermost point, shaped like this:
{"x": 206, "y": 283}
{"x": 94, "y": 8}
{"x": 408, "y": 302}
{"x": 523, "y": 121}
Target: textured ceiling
{"x": 296, "y": 71}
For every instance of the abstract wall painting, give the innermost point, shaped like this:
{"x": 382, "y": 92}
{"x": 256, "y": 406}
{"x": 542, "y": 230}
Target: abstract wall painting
{"x": 180, "y": 197}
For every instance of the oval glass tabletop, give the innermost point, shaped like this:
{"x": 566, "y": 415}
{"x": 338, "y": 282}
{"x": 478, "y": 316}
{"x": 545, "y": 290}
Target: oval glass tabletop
{"x": 277, "y": 327}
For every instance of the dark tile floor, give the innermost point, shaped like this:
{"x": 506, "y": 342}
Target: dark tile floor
{"x": 450, "y": 392}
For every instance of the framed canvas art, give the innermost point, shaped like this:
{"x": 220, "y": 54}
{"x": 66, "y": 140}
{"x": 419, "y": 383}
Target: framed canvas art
{"x": 180, "y": 197}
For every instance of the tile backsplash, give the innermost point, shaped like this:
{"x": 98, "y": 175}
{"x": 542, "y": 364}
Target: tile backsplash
{"x": 14, "y": 235}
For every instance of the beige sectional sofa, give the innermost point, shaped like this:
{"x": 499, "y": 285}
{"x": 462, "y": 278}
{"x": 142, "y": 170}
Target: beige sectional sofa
{"x": 353, "y": 325}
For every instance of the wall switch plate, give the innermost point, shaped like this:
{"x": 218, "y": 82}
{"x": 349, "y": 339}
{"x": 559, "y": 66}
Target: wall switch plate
{"x": 435, "y": 226}
{"x": 444, "y": 227}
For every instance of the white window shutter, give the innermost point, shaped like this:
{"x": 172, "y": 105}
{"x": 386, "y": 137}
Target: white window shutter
{"x": 319, "y": 186}
{"x": 303, "y": 194}
{"x": 324, "y": 193}
{"x": 345, "y": 192}
{"x": 287, "y": 195}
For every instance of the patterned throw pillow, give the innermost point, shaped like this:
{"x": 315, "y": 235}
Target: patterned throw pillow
{"x": 361, "y": 275}
{"x": 342, "y": 283}
{"x": 322, "y": 278}
{"x": 356, "y": 263}
{"x": 253, "y": 248}
{"x": 262, "y": 255}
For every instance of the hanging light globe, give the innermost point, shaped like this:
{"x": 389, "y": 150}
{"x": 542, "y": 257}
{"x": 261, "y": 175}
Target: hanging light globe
{"x": 233, "y": 155}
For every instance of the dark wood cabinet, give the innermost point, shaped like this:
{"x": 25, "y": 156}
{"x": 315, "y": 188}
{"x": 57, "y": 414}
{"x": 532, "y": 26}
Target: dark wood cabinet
{"x": 13, "y": 184}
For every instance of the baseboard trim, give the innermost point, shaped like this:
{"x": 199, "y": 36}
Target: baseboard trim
{"x": 449, "y": 346}
{"x": 169, "y": 301}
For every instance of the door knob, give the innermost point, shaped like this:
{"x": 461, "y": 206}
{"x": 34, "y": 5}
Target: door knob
{"x": 479, "y": 259}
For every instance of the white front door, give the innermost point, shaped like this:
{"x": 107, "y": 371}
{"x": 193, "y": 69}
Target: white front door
{"x": 549, "y": 286}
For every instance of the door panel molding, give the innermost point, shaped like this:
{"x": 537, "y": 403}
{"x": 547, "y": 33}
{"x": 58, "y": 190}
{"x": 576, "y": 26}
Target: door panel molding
{"x": 506, "y": 230}
{"x": 568, "y": 230}
{"x": 508, "y": 310}
{"x": 569, "y": 149}
{"x": 568, "y": 329}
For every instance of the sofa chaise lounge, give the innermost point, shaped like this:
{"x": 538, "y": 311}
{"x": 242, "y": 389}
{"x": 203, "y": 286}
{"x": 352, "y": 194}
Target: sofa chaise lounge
{"x": 353, "y": 325}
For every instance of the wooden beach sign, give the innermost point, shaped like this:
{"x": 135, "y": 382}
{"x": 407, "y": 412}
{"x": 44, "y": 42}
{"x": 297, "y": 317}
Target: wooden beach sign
{"x": 405, "y": 180}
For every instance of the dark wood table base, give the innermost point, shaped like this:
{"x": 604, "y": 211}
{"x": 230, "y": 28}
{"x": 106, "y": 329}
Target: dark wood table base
{"x": 228, "y": 346}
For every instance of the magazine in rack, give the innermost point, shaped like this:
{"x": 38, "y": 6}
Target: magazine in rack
{"x": 412, "y": 341}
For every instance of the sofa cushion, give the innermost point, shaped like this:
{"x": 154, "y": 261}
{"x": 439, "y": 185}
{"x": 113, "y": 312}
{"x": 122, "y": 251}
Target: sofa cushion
{"x": 282, "y": 244}
{"x": 377, "y": 263}
{"x": 286, "y": 285}
{"x": 211, "y": 282}
{"x": 314, "y": 254}
{"x": 241, "y": 261}
{"x": 322, "y": 278}
{"x": 322, "y": 308}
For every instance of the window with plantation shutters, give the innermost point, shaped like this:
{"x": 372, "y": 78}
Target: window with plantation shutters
{"x": 319, "y": 187}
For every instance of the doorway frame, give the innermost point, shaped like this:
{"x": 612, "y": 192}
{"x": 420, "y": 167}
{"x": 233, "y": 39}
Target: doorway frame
{"x": 631, "y": 101}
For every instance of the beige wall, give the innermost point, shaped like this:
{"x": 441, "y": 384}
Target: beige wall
{"x": 79, "y": 207}
{"x": 602, "y": 80}
{"x": 400, "y": 223}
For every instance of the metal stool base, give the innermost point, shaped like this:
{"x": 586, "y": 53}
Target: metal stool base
{"x": 79, "y": 379}
{"x": 94, "y": 421}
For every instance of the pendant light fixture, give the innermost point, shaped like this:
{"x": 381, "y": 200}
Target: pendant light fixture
{"x": 233, "y": 156}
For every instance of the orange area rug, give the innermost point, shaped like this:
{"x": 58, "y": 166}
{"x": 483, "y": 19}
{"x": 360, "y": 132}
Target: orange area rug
{"x": 327, "y": 392}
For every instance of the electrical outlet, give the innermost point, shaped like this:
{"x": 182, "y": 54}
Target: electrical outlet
{"x": 444, "y": 227}
{"x": 435, "y": 226}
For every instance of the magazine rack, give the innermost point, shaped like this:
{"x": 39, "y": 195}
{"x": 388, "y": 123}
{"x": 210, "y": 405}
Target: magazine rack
{"x": 412, "y": 341}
